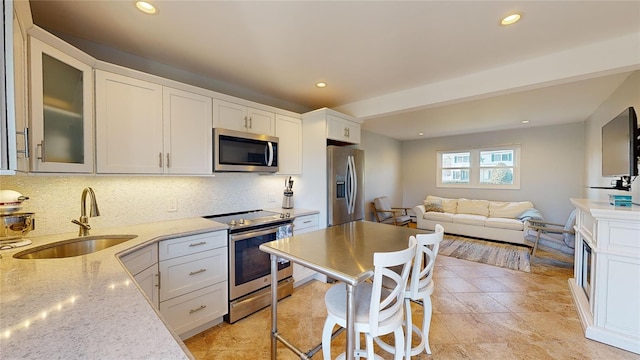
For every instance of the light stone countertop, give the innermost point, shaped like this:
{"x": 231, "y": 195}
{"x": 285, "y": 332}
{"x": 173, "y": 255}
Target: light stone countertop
{"x": 87, "y": 307}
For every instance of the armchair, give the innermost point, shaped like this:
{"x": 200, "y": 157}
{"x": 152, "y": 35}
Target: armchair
{"x": 384, "y": 213}
{"x": 552, "y": 237}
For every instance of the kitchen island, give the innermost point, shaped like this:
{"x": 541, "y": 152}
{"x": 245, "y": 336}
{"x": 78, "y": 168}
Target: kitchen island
{"x": 87, "y": 307}
{"x": 342, "y": 252}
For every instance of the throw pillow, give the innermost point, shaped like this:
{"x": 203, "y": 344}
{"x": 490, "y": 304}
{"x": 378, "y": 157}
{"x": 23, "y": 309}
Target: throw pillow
{"x": 433, "y": 205}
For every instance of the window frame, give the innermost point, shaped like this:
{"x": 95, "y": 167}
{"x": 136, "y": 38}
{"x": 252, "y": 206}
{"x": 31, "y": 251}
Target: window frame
{"x": 475, "y": 168}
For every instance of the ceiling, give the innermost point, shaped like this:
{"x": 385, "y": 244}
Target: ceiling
{"x": 436, "y": 67}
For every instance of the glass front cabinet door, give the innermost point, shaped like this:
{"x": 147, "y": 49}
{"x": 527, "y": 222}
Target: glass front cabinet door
{"x": 61, "y": 111}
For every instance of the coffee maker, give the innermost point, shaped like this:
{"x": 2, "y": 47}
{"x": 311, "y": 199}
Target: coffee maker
{"x": 287, "y": 199}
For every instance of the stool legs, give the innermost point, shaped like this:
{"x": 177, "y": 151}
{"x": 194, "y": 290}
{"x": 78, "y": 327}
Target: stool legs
{"x": 426, "y": 322}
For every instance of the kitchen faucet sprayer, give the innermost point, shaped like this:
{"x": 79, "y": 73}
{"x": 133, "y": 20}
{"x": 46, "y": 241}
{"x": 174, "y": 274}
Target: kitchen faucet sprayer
{"x": 83, "y": 222}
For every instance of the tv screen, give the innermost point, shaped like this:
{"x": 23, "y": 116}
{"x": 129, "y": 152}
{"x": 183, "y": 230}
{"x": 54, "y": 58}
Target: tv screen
{"x": 620, "y": 145}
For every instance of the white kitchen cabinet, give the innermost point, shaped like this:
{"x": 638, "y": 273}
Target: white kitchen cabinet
{"x": 61, "y": 98}
{"x": 301, "y": 225}
{"x": 20, "y": 95}
{"x": 148, "y": 281}
{"x": 187, "y": 132}
{"x": 143, "y": 265}
{"x": 313, "y": 181}
{"x": 228, "y": 115}
{"x": 289, "y": 133}
{"x": 188, "y": 273}
{"x": 193, "y": 281}
{"x": 128, "y": 125}
{"x": 145, "y": 128}
{"x": 606, "y": 286}
{"x": 343, "y": 129}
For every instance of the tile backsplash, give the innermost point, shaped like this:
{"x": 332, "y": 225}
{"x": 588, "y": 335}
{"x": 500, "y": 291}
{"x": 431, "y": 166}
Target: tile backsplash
{"x": 130, "y": 200}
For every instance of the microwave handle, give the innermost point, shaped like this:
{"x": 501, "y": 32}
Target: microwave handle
{"x": 268, "y": 155}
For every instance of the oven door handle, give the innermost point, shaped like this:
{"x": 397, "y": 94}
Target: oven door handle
{"x": 250, "y": 234}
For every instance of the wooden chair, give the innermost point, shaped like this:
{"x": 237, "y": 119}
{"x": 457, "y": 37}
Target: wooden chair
{"x": 419, "y": 290}
{"x": 558, "y": 238}
{"x": 379, "y": 310}
{"x": 384, "y": 213}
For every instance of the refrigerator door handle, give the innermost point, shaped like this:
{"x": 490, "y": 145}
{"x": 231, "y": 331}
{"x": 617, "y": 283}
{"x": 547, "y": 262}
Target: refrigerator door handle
{"x": 354, "y": 184}
{"x": 348, "y": 185}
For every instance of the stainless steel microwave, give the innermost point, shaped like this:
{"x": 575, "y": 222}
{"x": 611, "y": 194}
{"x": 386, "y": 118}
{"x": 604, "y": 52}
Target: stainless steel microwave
{"x": 244, "y": 152}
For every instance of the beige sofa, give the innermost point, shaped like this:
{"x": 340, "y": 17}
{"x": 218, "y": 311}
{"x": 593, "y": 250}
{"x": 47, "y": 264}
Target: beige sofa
{"x": 492, "y": 220}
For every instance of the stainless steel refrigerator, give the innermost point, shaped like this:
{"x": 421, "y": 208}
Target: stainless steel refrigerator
{"x": 346, "y": 184}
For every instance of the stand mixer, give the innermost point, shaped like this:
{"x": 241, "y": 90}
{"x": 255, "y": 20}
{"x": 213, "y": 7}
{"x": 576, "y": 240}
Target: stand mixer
{"x": 14, "y": 225}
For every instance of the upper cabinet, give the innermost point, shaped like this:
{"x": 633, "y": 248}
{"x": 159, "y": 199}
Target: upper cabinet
{"x": 128, "y": 125}
{"x": 146, "y": 128}
{"x": 228, "y": 115}
{"x": 343, "y": 129}
{"x": 289, "y": 133}
{"x": 187, "y": 132}
{"x": 61, "y": 93}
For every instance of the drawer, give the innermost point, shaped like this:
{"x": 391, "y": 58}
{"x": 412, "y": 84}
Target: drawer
{"x": 191, "y": 244}
{"x": 141, "y": 259}
{"x": 189, "y": 311}
{"x": 184, "y": 274}
{"x": 305, "y": 222}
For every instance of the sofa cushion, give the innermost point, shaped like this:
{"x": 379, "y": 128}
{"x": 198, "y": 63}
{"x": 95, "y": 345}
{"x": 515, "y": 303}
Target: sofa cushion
{"x": 439, "y": 216}
{"x": 469, "y": 219}
{"x": 448, "y": 205}
{"x": 473, "y": 207}
{"x": 511, "y": 210}
{"x": 504, "y": 223}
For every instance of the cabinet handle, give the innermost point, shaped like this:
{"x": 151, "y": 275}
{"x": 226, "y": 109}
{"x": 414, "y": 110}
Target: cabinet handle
{"x": 197, "y": 271}
{"x": 41, "y": 146}
{"x": 197, "y": 244}
{"x": 245, "y": 122}
{"x": 197, "y": 309}
{"x": 24, "y": 133}
{"x": 306, "y": 222}
{"x": 158, "y": 284}
{"x": 160, "y": 160}
{"x": 168, "y": 163}
{"x": 250, "y": 123}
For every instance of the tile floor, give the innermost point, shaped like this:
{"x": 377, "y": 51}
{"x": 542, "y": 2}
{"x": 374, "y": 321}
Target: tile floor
{"x": 479, "y": 312}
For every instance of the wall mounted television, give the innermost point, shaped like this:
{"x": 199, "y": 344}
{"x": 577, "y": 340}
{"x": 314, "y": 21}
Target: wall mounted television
{"x": 621, "y": 148}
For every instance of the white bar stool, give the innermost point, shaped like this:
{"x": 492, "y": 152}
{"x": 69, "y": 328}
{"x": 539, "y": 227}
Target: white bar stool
{"x": 420, "y": 288}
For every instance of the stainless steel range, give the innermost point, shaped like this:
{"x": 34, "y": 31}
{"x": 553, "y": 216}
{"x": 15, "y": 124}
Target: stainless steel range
{"x": 249, "y": 267}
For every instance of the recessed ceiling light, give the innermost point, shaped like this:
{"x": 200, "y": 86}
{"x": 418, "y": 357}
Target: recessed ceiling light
{"x": 525, "y": 121}
{"x": 321, "y": 85}
{"x": 420, "y": 133}
{"x": 146, "y": 7}
{"x": 510, "y": 19}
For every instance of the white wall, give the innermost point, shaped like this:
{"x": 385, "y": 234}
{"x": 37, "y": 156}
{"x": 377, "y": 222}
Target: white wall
{"x": 628, "y": 94}
{"x": 552, "y": 160}
{"x": 129, "y": 200}
{"x": 383, "y": 172}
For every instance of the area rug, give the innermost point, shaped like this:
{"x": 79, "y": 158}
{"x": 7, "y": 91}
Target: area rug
{"x": 487, "y": 252}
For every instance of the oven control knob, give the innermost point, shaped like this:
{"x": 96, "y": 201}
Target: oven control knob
{"x": 281, "y": 216}
{"x": 241, "y": 221}
{"x": 232, "y": 223}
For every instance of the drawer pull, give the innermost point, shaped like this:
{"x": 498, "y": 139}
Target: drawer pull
{"x": 197, "y": 244}
{"x": 306, "y": 222}
{"x": 197, "y": 271}
{"x": 198, "y": 309}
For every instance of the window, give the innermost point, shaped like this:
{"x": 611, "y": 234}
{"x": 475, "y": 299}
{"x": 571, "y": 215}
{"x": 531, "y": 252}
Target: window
{"x": 495, "y": 168}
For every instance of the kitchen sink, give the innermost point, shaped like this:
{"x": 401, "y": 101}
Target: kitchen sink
{"x": 73, "y": 247}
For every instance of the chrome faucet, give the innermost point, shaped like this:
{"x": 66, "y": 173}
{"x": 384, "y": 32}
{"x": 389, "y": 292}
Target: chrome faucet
{"x": 84, "y": 221}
